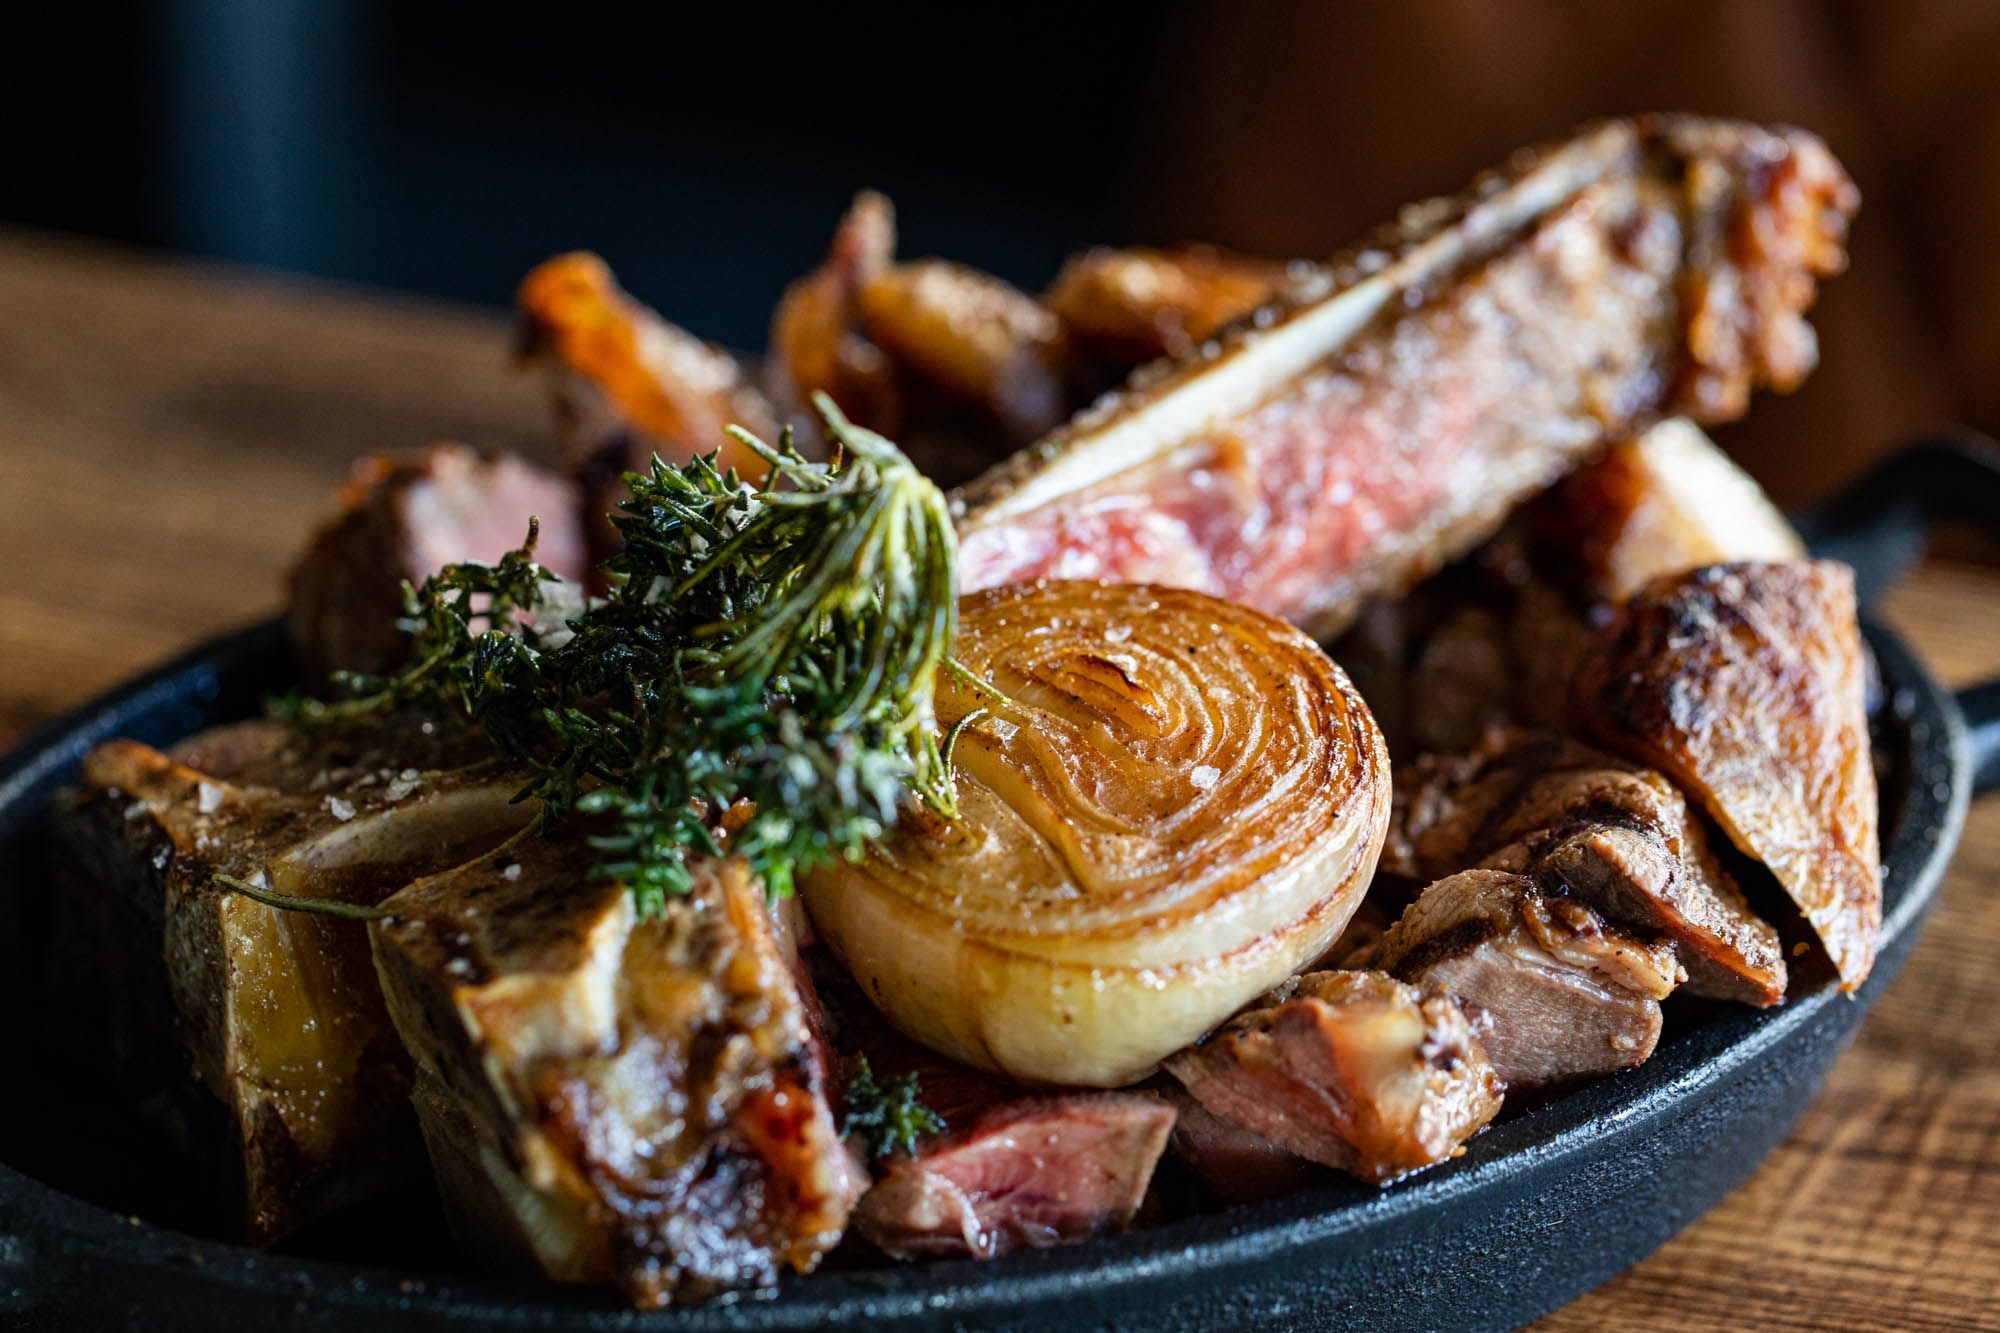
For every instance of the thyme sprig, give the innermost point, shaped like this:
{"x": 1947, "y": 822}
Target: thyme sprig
{"x": 888, "y": 1114}
{"x": 758, "y": 678}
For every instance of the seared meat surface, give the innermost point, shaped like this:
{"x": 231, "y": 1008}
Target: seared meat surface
{"x": 624, "y": 1100}
{"x": 1568, "y": 996}
{"x": 1384, "y": 419}
{"x": 1352, "y": 1069}
{"x": 1615, "y": 835}
{"x": 278, "y": 1012}
{"x": 406, "y": 519}
{"x": 1744, "y": 683}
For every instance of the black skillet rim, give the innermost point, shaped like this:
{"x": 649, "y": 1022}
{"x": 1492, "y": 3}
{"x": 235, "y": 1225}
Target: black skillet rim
{"x": 55, "y": 1227}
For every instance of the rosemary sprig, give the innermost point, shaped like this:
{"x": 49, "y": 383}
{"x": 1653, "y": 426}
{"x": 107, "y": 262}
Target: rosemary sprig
{"x": 758, "y": 679}
{"x": 889, "y": 1113}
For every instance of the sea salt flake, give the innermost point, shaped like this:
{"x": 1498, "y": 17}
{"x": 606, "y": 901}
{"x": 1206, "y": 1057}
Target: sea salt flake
{"x": 513, "y": 871}
{"x": 1205, "y": 777}
{"x": 1002, "y": 728}
{"x": 208, "y": 797}
{"x": 339, "y": 809}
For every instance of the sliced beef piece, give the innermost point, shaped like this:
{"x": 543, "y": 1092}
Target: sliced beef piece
{"x": 1013, "y": 1168}
{"x": 1388, "y": 412}
{"x": 1568, "y": 996}
{"x": 1238, "y": 1164}
{"x": 278, "y": 1013}
{"x": 1026, "y": 1173}
{"x": 401, "y": 520}
{"x": 1745, "y": 684}
{"x": 625, "y": 385}
{"x": 623, "y": 1100}
{"x": 1351, "y": 1069}
{"x": 1615, "y": 835}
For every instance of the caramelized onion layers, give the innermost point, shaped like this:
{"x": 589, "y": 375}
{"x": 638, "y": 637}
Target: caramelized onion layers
{"x": 1177, "y": 808}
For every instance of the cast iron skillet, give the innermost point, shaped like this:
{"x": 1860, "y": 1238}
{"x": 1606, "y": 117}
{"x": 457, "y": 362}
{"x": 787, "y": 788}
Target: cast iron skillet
{"x": 1541, "y": 1208}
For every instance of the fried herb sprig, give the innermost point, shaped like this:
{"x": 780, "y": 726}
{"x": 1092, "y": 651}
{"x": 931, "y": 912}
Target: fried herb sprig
{"x": 758, "y": 679}
{"x": 888, "y": 1113}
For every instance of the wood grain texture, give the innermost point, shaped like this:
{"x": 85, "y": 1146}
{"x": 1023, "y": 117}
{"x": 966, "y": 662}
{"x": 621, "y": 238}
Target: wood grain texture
{"x": 167, "y": 433}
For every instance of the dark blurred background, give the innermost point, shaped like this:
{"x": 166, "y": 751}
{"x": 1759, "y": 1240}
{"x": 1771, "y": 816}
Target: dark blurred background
{"x": 445, "y": 147}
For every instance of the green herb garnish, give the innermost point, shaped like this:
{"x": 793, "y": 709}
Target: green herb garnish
{"x": 888, "y": 1114}
{"x": 758, "y": 678}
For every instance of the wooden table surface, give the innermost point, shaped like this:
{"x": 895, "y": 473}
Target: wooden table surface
{"x": 167, "y": 433}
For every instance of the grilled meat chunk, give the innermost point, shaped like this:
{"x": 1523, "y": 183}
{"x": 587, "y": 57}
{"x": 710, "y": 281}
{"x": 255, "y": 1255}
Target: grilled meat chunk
{"x": 1238, "y": 1164}
{"x": 1352, "y": 1069}
{"x": 1012, "y": 1168}
{"x": 1386, "y": 417}
{"x": 974, "y": 336}
{"x": 623, "y": 1100}
{"x": 1744, "y": 683}
{"x": 1616, "y": 835}
{"x": 406, "y": 519}
{"x": 1569, "y": 997}
{"x": 816, "y": 342}
{"x": 1659, "y": 503}
{"x": 279, "y": 1012}
{"x": 1496, "y": 640}
{"x": 1132, "y": 306}
{"x": 1028, "y": 1172}
{"x": 625, "y": 384}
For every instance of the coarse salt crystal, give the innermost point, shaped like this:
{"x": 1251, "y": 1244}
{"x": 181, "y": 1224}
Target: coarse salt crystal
{"x": 1004, "y": 729}
{"x": 208, "y": 797}
{"x": 513, "y": 871}
{"x": 339, "y": 809}
{"x": 1204, "y": 777}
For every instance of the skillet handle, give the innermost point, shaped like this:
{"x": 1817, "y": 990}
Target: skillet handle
{"x": 1881, "y": 524}
{"x": 1981, "y": 706}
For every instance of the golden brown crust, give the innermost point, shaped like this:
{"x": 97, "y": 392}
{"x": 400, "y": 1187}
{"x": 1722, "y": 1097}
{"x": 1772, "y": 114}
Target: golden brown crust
{"x": 643, "y": 1096}
{"x": 1135, "y": 305}
{"x": 1744, "y": 683}
{"x": 980, "y": 339}
{"x": 816, "y": 345}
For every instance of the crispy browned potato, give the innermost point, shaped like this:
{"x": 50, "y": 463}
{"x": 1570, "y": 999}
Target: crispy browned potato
{"x": 1131, "y": 306}
{"x": 974, "y": 336}
{"x": 815, "y": 344}
{"x": 1744, "y": 684}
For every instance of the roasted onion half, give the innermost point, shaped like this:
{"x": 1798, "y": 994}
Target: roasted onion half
{"x": 1178, "y": 806}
